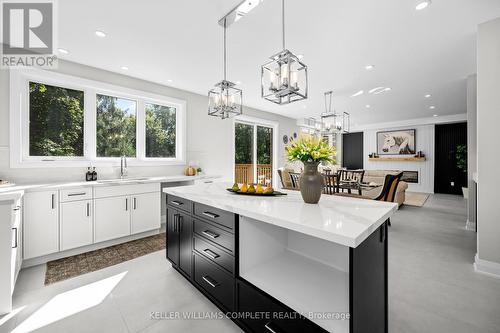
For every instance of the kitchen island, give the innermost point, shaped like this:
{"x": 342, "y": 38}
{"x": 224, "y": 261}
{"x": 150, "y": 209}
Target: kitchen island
{"x": 280, "y": 265}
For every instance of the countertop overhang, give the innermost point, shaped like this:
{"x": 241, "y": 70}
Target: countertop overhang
{"x": 342, "y": 220}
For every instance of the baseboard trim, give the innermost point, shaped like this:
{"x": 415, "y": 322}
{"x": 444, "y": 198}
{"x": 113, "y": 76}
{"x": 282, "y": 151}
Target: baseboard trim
{"x": 489, "y": 268}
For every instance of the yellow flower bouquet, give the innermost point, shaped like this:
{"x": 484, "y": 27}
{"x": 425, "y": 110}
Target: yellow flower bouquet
{"x": 307, "y": 148}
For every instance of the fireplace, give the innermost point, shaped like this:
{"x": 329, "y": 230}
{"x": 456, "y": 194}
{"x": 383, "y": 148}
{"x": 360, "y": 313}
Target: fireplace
{"x": 410, "y": 177}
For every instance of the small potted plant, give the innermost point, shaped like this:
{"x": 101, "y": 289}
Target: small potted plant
{"x": 311, "y": 151}
{"x": 461, "y": 158}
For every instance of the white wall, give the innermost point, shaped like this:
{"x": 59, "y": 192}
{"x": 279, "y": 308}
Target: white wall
{"x": 209, "y": 139}
{"x": 424, "y": 142}
{"x": 488, "y": 120}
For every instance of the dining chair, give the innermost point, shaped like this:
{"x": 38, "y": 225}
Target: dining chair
{"x": 295, "y": 176}
{"x": 349, "y": 176}
{"x": 330, "y": 181}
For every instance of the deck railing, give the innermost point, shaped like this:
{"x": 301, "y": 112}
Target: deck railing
{"x": 243, "y": 173}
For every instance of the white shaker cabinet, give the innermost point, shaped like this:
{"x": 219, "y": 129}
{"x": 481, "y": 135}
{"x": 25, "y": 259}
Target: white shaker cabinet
{"x": 112, "y": 218}
{"x": 41, "y": 223}
{"x": 145, "y": 213}
{"x": 76, "y": 224}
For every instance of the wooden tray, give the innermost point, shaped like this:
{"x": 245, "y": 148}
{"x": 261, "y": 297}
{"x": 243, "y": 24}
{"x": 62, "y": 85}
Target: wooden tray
{"x": 275, "y": 193}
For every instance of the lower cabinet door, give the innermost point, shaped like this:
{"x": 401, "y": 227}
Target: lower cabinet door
{"x": 215, "y": 281}
{"x": 146, "y": 214}
{"x": 172, "y": 236}
{"x": 112, "y": 218}
{"x": 76, "y": 224}
{"x": 185, "y": 225}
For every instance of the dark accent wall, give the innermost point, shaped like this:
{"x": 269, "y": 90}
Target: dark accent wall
{"x": 352, "y": 150}
{"x": 447, "y": 177}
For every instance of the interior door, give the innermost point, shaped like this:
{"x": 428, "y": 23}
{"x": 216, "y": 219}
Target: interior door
{"x": 352, "y": 150}
{"x": 172, "y": 236}
{"x": 186, "y": 243}
{"x": 145, "y": 212}
{"x": 448, "y": 178}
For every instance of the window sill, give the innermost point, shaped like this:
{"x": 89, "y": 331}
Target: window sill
{"x": 105, "y": 162}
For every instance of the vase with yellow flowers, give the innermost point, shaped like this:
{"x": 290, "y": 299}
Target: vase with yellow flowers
{"x": 311, "y": 151}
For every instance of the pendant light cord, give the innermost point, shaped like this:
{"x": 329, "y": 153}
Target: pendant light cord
{"x": 225, "y": 63}
{"x": 283, "y": 21}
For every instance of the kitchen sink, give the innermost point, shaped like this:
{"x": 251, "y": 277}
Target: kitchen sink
{"x": 122, "y": 180}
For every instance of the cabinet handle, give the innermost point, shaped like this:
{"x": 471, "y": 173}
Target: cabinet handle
{"x": 180, "y": 219}
{"x": 17, "y": 208}
{"x": 175, "y": 222}
{"x": 269, "y": 328}
{"x": 135, "y": 203}
{"x": 53, "y": 198}
{"x": 15, "y": 238}
{"x": 211, "y": 215}
{"x": 210, "y": 234}
{"x": 210, "y": 281}
{"x": 76, "y": 194}
{"x": 88, "y": 209}
{"x": 177, "y": 203}
{"x": 211, "y": 254}
{"x": 126, "y": 203}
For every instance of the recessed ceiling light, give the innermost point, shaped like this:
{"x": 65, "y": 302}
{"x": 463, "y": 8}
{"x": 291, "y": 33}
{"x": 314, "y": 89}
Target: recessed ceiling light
{"x": 125, "y": 68}
{"x": 169, "y": 80}
{"x": 356, "y": 94}
{"x": 304, "y": 106}
{"x": 422, "y": 4}
{"x": 63, "y": 51}
{"x": 369, "y": 67}
{"x": 379, "y": 90}
{"x": 300, "y": 56}
{"x": 427, "y": 96}
{"x": 434, "y": 115}
{"x": 432, "y": 107}
{"x": 238, "y": 82}
{"x": 100, "y": 33}
{"x": 368, "y": 106}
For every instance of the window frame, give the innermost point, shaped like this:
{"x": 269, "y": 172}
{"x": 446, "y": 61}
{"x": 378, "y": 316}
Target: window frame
{"x": 19, "y": 119}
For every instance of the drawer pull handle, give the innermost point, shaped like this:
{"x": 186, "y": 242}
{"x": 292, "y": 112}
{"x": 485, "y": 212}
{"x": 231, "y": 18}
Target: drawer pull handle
{"x": 17, "y": 208}
{"x": 211, "y": 254}
{"x": 210, "y": 281}
{"x": 14, "y": 238}
{"x": 211, "y": 215}
{"x": 269, "y": 328}
{"x": 76, "y": 194}
{"x": 210, "y": 234}
{"x": 177, "y": 203}
{"x": 88, "y": 209}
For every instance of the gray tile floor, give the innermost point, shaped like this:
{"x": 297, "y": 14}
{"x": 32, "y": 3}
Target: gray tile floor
{"x": 432, "y": 287}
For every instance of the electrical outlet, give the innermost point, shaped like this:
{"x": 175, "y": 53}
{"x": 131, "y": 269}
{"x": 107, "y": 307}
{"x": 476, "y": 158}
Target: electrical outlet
{"x": 452, "y": 183}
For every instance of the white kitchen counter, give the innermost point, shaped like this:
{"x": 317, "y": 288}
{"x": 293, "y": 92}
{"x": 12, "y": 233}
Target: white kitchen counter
{"x": 110, "y": 182}
{"x": 342, "y": 220}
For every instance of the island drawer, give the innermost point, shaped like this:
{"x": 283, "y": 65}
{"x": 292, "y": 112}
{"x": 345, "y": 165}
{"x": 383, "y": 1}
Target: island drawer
{"x": 214, "y": 234}
{"x": 219, "y": 216}
{"x": 269, "y": 315}
{"x": 215, "y": 281}
{"x": 214, "y": 253}
{"x": 179, "y": 203}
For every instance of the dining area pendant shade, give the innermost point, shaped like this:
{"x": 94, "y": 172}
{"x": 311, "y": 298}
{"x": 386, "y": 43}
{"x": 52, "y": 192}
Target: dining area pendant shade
{"x": 225, "y": 100}
{"x": 284, "y": 77}
{"x": 333, "y": 122}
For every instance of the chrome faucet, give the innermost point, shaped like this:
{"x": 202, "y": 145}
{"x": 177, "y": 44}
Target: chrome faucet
{"x": 123, "y": 167}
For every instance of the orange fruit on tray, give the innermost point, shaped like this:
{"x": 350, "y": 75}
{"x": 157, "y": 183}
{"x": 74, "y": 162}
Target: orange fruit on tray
{"x": 244, "y": 188}
{"x": 259, "y": 189}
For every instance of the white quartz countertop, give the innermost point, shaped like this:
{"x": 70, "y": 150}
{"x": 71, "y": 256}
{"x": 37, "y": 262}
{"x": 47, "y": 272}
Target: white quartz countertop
{"x": 105, "y": 182}
{"x": 342, "y": 220}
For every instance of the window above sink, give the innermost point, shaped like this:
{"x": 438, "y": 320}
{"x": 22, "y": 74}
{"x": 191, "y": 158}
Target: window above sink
{"x": 67, "y": 121}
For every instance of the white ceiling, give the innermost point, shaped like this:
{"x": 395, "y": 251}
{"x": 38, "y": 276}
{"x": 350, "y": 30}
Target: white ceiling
{"x": 414, "y": 52}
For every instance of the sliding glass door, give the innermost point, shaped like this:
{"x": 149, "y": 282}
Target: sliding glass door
{"x": 253, "y": 153}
